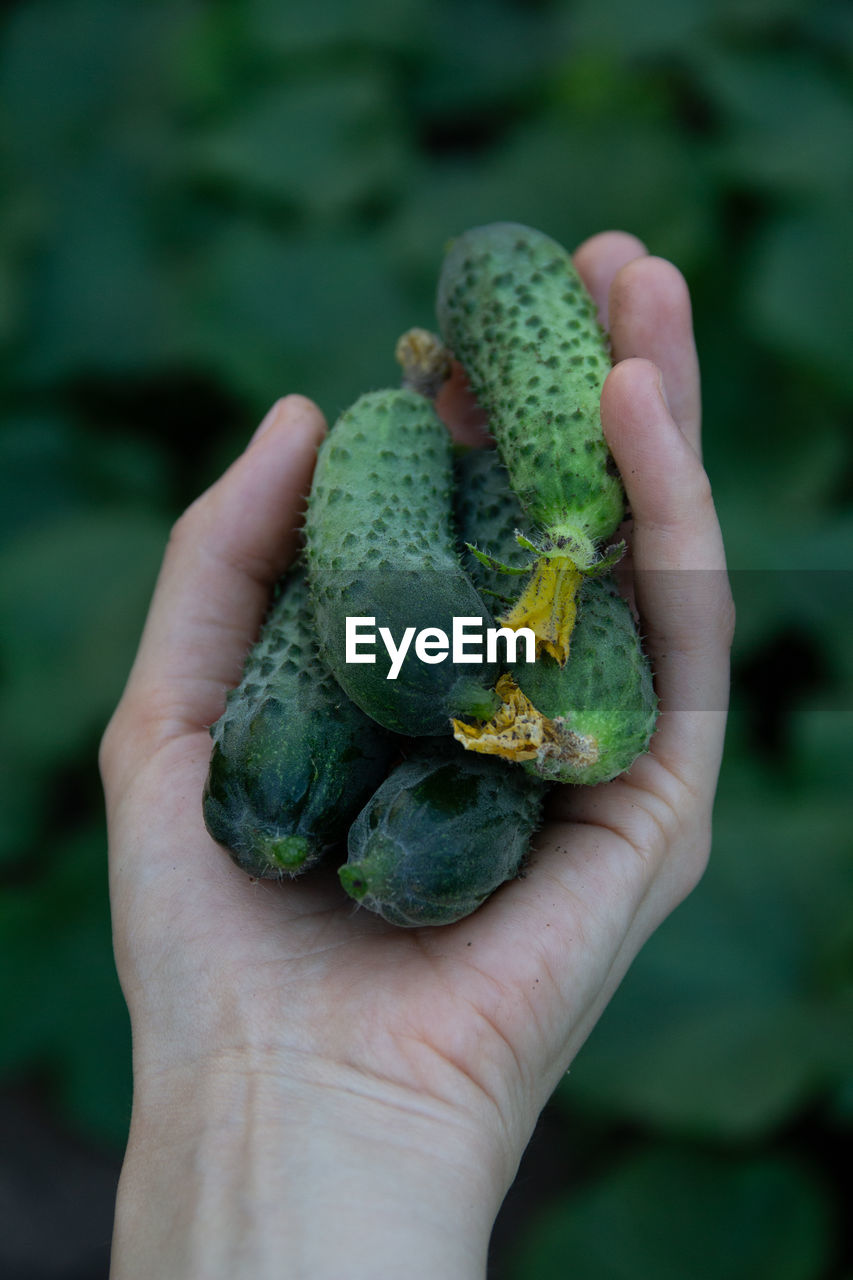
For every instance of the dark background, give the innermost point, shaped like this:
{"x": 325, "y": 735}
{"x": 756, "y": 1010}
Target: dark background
{"x": 207, "y": 205}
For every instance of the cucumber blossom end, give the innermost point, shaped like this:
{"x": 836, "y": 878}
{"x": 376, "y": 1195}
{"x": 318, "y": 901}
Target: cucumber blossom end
{"x": 548, "y": 606}
{"x": 519, "y": 732}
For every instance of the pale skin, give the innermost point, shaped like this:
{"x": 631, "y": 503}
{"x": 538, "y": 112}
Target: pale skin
{"x": 317, "y": 1093}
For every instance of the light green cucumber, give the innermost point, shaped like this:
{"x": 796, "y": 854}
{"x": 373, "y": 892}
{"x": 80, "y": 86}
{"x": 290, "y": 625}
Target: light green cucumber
{"x": 380, "y": 545}
{"x": 441, "y": 833}
{"x": 586, "y": 721}
{"x": 293, "y": 760}
{"x": 600, "y": 708}
{"x": 515, "y": 313}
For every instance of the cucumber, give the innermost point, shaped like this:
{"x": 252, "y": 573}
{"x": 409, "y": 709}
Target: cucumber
{"x": 601, "y": 706}
{"x": 487, "y": 515}
{"x": 380, "y": 545}
{"x": 293, "y": 760}
{"x": 587, "y": 721}
{"x": 514, "y": 311}
{"x": 441, "y": 833}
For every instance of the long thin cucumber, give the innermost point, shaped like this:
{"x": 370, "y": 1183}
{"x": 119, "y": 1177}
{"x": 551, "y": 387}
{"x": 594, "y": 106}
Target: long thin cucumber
{"x": 514, "y": 311}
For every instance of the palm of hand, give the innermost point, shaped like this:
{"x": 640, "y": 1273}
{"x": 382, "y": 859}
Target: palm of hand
{"x": 482, "y": 1017}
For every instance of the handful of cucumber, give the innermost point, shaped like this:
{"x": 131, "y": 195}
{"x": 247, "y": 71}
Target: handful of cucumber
{"x": 401, "y": 541}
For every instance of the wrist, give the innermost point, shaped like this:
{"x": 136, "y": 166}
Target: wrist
{"x": 264, "y": 1172}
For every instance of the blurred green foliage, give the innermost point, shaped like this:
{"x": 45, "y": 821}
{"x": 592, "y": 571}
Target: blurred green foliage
{"x": 206, "y": 205}
{"x": 669, "y": 1212}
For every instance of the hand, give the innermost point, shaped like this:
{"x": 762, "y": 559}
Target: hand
{"x": 317, "y": 1092}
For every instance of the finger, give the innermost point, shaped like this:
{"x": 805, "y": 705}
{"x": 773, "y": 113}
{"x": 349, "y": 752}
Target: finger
{"x": 598, "y": 261}
{"x": 681, "y": 585}
{"x": 650, "y": 317}
{"x": 603, "y": 879}
{"x": 225, "y": 554}
{"x": 459, "y": 411}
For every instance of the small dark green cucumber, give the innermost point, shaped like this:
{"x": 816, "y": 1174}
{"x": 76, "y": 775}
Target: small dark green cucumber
{"x": 293, "y": 760}
{"x": 443, "y": 831}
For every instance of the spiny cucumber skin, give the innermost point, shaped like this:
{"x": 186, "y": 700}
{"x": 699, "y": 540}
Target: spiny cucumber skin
{"x": 380, "y": 544}
{"x": 292, "y": 759}
{"x": 487, "y": 515}
{"x": 443, "y": 831}
{"x": 514, "y": 311}
{"x": 605, "y": 690}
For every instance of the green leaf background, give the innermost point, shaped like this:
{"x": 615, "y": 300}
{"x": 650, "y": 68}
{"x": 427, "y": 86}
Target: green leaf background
{"x": 207, "y": 205}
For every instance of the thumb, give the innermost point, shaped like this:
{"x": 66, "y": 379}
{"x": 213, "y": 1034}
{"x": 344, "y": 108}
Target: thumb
{"x": 225, "y": 553}
{"x": 681, "y": 584}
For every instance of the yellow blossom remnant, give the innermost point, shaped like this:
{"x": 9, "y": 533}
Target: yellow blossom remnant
{"x": 548, "y": 606}
{"x": 519, "y": 732}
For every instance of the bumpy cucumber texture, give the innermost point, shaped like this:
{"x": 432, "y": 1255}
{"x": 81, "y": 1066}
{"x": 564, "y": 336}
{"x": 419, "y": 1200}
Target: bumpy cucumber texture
{"x": 600, "y": 708}
{"x": 293, "y": 760}
{"x": 380, "y": 545}
{"x": 487, "y": 515}
{"x": 586, "y": 721}
{"x": 514, "y": 311}
{"x": 443, "y": 831}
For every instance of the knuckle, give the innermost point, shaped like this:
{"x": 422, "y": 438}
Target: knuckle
{"x": 106, "y": 748}
{"x": 700, "y": 496}
{"x": 186, "y": 528}
{"x": 137, "y": 728}
{"x": 113, "y": 744}
{"x": 695, "y": 863}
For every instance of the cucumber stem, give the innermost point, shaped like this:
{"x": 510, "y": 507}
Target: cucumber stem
{"x": 425, "y": 362}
